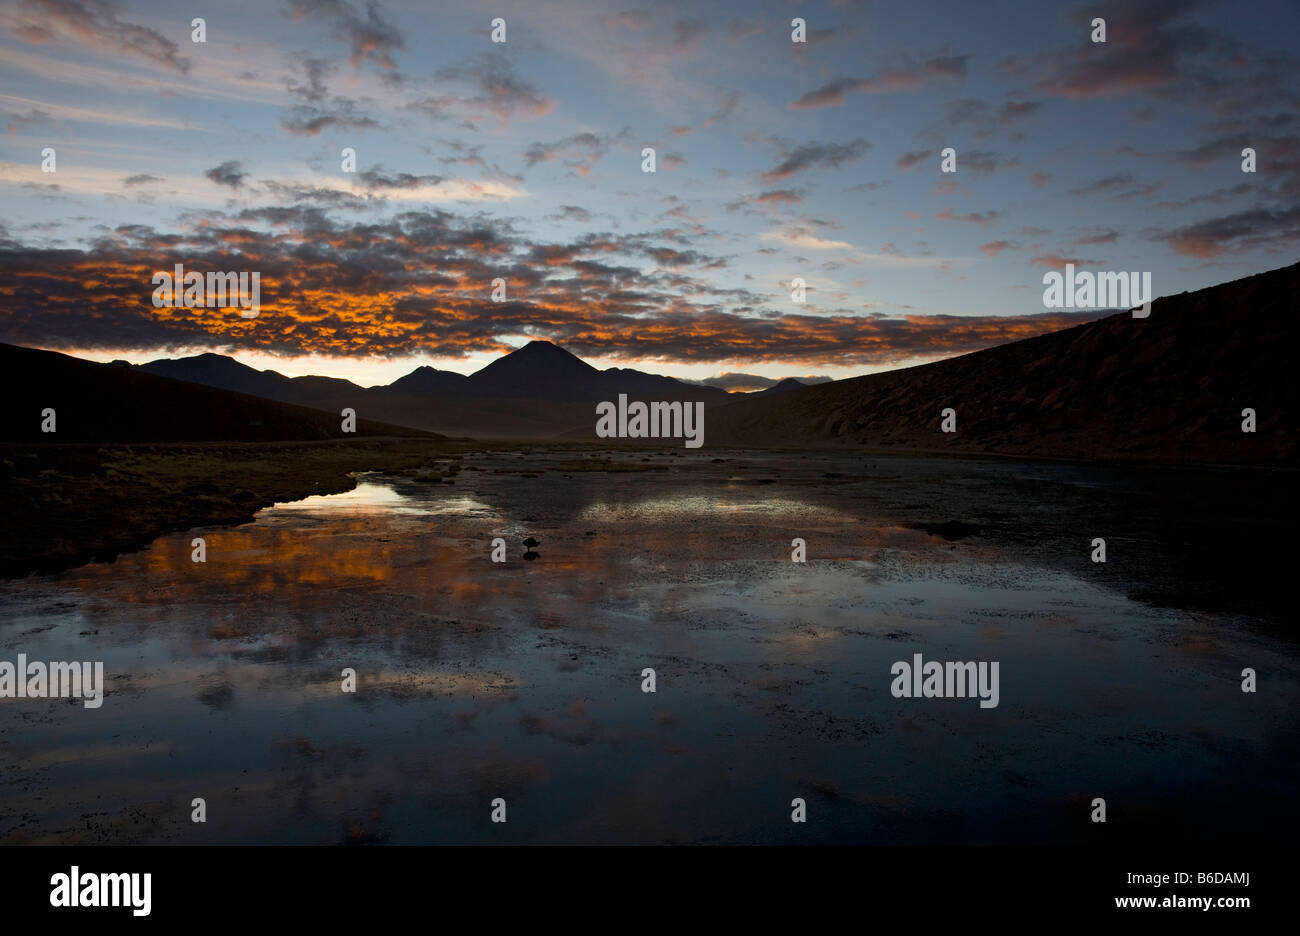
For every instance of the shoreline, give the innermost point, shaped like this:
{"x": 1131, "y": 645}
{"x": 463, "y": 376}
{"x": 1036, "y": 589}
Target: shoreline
{"x": 75, "y": 503}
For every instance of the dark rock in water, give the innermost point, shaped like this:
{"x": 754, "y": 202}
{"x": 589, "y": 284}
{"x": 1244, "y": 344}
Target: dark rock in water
{"x": 951, "y": 530}
{"x": 530, "y": 543}
{"x": 530, "y": 555}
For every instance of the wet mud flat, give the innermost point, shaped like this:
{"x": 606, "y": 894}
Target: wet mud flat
{"x": 523, "y": 680}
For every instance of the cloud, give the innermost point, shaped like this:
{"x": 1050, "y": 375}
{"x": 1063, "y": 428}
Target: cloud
{"x": 142, "y": 179}
{"x": 816, "y": 156}
{"x": 687, "y": 34}
{"x": 984, "y": 219}
{"x": 95, "y": 23}
{"x": 1057, "y": 260}
{"x": 1121, "y": 186}
{"x": 1106, "y": 237}
{"x": 913, "y": 159}
{"x": 465, "y": 154}
{"x": 42, "y": 111}
{"x": 228, "y": 174}
{"x": 983, "y": 163}
{"x": 502, "y": 93}
{"x": 748, "y": 383}
{"x": 1275, "y": 231}
{"x": 1217, "y": 197}
{"x": 579, "y": 152}
{"x": 308, "y": 120}
{"x": 368, "y": 36}
{"x": 415, "y": 285}
{"x": 316, "y": 70}
{"x": 1148, "y": 47}
{"x": 322, "y": 195}
{"x": 988, "y": 120}
{"x": 572, "y": 213}
{"x": 803, "y": 237}
{"x": 724, "y": 111}
{"x": 736, "y": 383}
{"x": 780, "y": 197}
{"x": 377, "y": 179}
{"x": 993, "y": 248}
{"x": 910, "y": 76}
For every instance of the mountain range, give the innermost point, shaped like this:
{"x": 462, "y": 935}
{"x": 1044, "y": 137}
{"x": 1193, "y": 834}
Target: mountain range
{"x": 1175, "y": 386}
{"x": 94, "y": 402}
{"x": 537, "y": 391}
{"x": 1170, "y": 387}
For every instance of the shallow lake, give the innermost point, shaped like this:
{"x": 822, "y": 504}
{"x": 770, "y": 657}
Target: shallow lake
{"x": 522, "y": 680}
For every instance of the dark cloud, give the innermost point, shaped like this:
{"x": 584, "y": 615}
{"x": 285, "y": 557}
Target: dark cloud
{"x": 297, "y": 192}
{"x": 15, "y": 122}
{"x": 986, "y": 119}
{"x": 419, "y": 283}
{"x": 1054, "y": 260}
{"x": 687, "y": 34}
{"x": 1121, "y": 185}
{"x": 377, "y": 179}
{"x": 96, "y": 23}
{"x": 572, "y": 213}
{"x": 733, "y": 382}
{"x": 368, "y": 35}
{"x": 780, "y": 197}
{"x": 315, "y": 70}
{"x": 578, "y": 152}
{"x": 1105, "y": 237}
{"x": 910, "y": 76}
{"x": 229, "y": 174}
{"x": 815, "y": 36}
{"x": 816, "y": 156}
{"x": 309, "y": 120}
{"x": 982, "y": 162}
{"x": 469, "y": 155}
{"x": 1217, "y": 197}
{"x": 1157, "y": 48}
{"x": 984, "y": 219}
{"x": 1275, "y": 231}
{"x": 913, "y": 159}
{"x": 724, "y": 111}
{"x": 146, "y": 179}
{"x": 500, "y": 93}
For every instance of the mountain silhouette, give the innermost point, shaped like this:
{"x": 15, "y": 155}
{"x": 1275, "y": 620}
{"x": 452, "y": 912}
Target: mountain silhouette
{"x": 429, "y": 381}
{"x": 537, "y": 391}
{"x": 110, "y": 403}
{"x": 1172, "y": 386}
{"x": 538, "y": 369}
{"x": 216, "y": 370}
{"x": 783, "y": 386}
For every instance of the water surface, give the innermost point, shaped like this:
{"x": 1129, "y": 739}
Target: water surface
{"x": 522, "y": 680}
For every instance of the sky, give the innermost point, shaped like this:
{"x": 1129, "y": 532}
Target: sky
{"x": 522, "y": 160}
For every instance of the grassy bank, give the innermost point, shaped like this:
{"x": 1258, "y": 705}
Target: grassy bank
{"x": 72, "y": 504}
